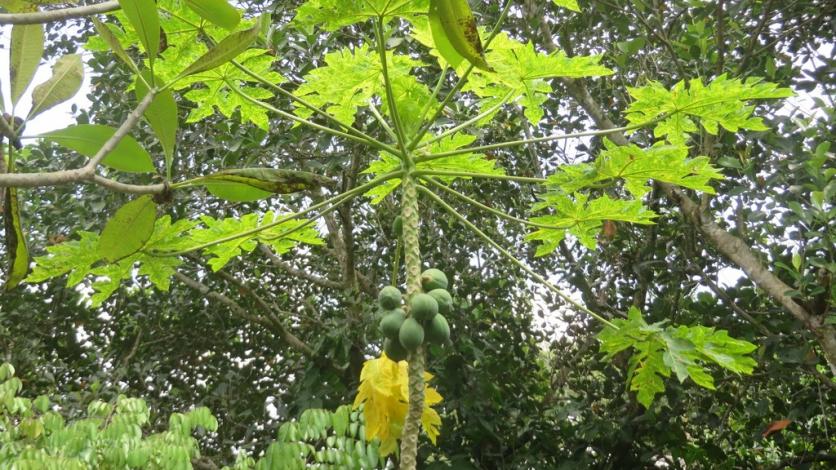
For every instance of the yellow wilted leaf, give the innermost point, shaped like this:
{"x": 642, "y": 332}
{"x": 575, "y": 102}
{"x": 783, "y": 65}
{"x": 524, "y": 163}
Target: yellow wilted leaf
{"x": 384, "y": 388}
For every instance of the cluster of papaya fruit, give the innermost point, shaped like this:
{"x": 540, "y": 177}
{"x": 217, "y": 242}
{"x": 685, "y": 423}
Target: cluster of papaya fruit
{"x": 425, "y": 321}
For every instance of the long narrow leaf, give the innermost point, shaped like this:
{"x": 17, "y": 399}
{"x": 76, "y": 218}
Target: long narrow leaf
{"x": 143, "y": 16}
{"x": 26, "y": 52}
{"x": 67, "y": 76}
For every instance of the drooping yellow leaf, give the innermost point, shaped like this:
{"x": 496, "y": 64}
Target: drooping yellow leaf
{"x": 384, "y": 389}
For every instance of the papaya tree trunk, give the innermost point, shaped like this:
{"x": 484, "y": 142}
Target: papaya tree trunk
{"x": 412, "y": 259}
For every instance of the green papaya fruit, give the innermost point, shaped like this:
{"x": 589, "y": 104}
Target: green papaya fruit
{"x": 393, "y": 349}
{"x": 423, "y": 307}
{"x": 444, "y": 299}
{"x": 391, "y": 323}
{"x": 389, "y": 297}
{"x": 433, "y": 279}
{"x": 438, "y": 331}
{"x": 411, "y": 334}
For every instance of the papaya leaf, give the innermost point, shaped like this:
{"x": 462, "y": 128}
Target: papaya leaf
{"x": 219, "y": 12}
{"x": 222, "y": 88}
{"x": 143, "y": 17}
{"x": 87, "y": 139}
{"x": 583, "y": 218}
{"x": 226, "y": 50}
{"x": 129, "y": 229}
{"x": 723, "y": 102}
{"x": 659, "y": 350}
{"x": 162, "y": 116}
{"x": 281, "y": 238}
{"x": 27, "y": 48}
{"x": 15, "y": 241}
{"x": 334, "y": 14}
{"x": 635, "y": 167}
{"x": 383, "y": 393}
{"x": 67, "y": 75}
{"x": 248, "y": 184}
{"x": 568, "y": 4}
{"x": 350, "y": 79}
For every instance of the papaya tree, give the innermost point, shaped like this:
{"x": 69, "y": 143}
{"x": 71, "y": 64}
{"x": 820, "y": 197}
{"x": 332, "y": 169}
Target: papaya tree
{"x": 205, "y": 56}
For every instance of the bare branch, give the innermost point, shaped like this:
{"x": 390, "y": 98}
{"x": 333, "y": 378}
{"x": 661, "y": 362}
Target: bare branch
{"x": 276, "y": 261}
{"x": 129, "y": 188}
{"x": 58, "y": 15}
{"x": 87, "y": 172}
{"x": 244, "y": 314}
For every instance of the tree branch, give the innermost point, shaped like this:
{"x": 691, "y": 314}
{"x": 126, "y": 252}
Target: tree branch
{"x": 88, "y": 171}
{"x": 244, "y": 314}
{"x": 276, "y": 261}
{"x": 58, "y": 15}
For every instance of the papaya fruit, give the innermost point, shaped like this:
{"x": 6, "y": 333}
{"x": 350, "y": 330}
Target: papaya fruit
{"x": 393, "y": 349}
{"x": 389, "y": 297}
{"x": 433, "y": 279}
{"x": 444, "y": 299}
{"x": 438, "y": 331}
{"x": 397, "y": 226}
{"x": 423, "y": 307}
{"x": 391, "y": 323}
{"x": 411, "y": 334}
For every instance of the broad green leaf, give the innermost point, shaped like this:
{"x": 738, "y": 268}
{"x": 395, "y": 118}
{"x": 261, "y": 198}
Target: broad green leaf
{"x": 351, "y": 78}
{"x": 144, "y": 19}
{"x": 226, "y": 50}
{"x": 67, "y": 75}
{"x": 635, "y": 168}
{"x": 162, "y": 116}
{"x": 568, "y": 4}
{"x": 583, "y": 218}
{"x": 87, "y": 139}
{"x": 250, "y": 184}
{"x": 442, "y": 42}
{"x": 683, "y": 350}
{"x": 334, "y": 14}
{"x": 107, "y": 34}
{"x": 721, "y": 103}
{"x": 223, "y": 88}
{"x": 27, "y": 48}
{"x": 129, "y": 229}
{"x": 218, "y": 12}
{"x": 281, "y": 238}
{"x": 16, "y": 248}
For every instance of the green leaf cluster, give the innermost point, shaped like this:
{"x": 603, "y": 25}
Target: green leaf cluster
{"x": 582, "y": 217}
{"x": 33, "y": 434}
{"x": 84, "y": 257}
{"x": 319, "y": 439}
{"x": 335, "y": 14}
{"x": 723, "y": 102}
{"x": 659, "y": 350}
